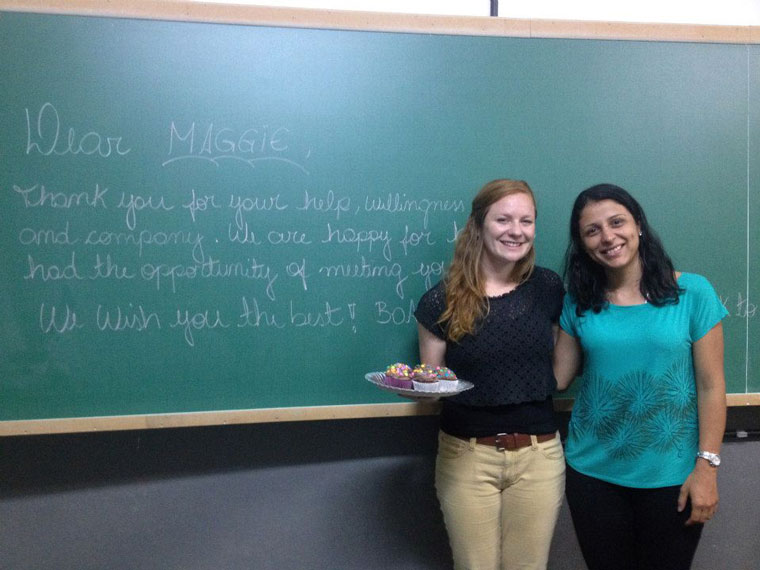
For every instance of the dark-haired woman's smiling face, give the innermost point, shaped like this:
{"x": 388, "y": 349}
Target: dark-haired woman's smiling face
{"x": 610, "y": 234}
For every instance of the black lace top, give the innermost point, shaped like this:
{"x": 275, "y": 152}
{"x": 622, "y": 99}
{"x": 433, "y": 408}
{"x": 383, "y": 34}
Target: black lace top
{"x": 509, "y": 358}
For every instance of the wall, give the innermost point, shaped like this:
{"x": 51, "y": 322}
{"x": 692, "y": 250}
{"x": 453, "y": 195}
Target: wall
{"x": 338, "y": 495}
{"x": 729, "y": 12}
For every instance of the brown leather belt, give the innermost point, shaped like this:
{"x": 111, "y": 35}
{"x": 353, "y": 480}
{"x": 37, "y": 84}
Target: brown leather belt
{"x": 510, "y": 441}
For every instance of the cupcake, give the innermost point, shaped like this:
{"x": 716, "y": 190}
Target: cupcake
{"x": 447, "y": 378}
{"x": 399, "y": 375}
{"x": 424, "y": 378}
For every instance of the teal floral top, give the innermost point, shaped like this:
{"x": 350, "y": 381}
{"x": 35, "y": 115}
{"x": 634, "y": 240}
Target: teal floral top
{"x": 634, "y": 421}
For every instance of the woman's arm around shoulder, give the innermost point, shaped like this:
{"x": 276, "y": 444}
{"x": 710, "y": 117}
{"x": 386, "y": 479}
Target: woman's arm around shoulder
{"x": 567, "y": 359}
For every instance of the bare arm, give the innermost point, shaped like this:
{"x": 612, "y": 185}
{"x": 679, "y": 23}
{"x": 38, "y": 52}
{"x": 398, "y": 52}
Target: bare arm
{"x": 432, "y": 352}
{"x": 702, "y": 484}
{"x": 432, "y": 348}
{"x": 567, "y": 359}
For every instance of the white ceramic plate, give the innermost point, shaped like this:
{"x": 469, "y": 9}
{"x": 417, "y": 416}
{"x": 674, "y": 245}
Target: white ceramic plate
{"x": 453, "y": 387}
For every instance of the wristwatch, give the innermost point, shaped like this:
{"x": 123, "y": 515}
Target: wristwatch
{"x": 712, "y": 458}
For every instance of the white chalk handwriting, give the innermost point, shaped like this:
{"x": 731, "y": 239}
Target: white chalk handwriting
{"x": 215, "y": 144}
{"x": 45, "y": 136}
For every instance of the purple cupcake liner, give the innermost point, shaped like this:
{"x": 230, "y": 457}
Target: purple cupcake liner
{"x": 398, "y": 382}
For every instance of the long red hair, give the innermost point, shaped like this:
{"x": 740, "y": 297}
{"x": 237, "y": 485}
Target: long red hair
{"x": 466, "y": 300}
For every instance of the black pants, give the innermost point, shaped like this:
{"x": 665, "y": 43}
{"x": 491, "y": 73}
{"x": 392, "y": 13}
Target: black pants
{"x": 622, "y": 528}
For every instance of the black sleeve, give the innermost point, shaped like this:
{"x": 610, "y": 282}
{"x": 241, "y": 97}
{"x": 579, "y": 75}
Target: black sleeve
{"x": 555, "y": 293}
{"x": 429, "y": 310}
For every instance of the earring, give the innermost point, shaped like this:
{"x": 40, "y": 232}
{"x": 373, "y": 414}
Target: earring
{"x": 641, "y": 233}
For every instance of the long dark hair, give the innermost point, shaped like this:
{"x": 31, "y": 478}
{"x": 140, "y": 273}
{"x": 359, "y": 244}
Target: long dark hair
{"x": 586, "y": 279}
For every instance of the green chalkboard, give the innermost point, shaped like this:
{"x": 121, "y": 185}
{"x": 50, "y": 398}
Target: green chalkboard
{"x": 201, "y": 217}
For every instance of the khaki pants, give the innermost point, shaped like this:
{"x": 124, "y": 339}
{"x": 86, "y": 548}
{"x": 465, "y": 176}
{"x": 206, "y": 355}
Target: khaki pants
{"x": 500, "y": 507}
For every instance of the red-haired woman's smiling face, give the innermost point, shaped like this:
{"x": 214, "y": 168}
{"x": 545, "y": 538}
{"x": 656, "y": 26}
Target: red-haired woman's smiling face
{"x": 509, "y": 229}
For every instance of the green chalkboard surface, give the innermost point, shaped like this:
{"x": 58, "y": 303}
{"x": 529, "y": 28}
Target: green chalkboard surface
{"x": 201, "y": 217}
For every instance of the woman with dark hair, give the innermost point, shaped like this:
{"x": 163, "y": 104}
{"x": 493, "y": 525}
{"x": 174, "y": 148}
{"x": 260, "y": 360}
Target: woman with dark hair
{"x": 649, "y": 417}
{"x": 492, "y": 320}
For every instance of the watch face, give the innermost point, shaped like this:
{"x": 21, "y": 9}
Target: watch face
{"x": 712, "y": 458}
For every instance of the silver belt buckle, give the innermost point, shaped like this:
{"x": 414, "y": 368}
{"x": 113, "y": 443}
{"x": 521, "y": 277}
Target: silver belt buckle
{"x": 499, "y": 444}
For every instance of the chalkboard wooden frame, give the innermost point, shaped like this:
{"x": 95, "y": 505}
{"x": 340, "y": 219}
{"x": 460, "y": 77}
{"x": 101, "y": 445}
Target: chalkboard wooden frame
{"x": 341, "y": 20}
{"x": 391, "y": 22}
